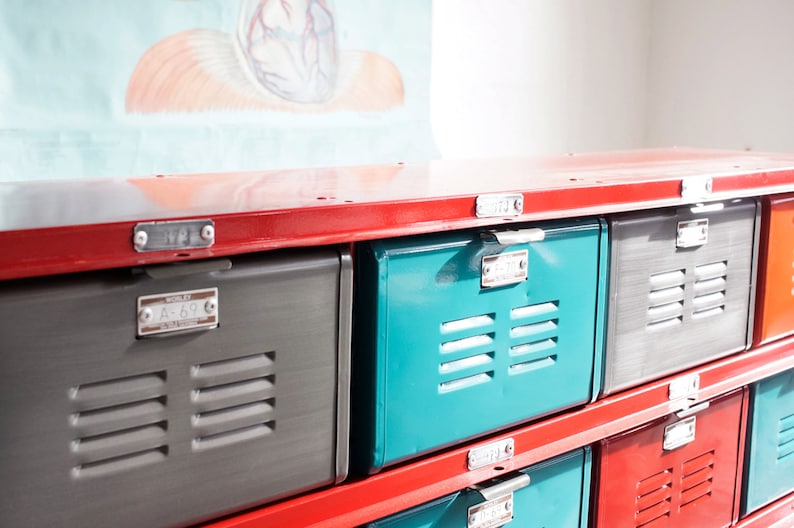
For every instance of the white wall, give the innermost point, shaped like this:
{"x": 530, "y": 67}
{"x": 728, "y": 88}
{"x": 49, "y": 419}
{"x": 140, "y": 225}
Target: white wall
{"x": 722, "y": 74}
{"x": 522, "y": 77}
{"x": 519, "y": 77}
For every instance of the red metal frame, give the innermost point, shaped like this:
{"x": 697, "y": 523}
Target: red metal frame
{"x": 394, "y": 490}
{"x": 781, "y": 512}
{"x": 60, "y": 227}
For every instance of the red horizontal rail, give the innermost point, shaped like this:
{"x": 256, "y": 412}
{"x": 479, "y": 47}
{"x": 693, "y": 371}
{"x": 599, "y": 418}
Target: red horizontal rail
{"x": 270, "y": 210}
{"x": 396, "y": 489}
{"x": 781, "y": 512}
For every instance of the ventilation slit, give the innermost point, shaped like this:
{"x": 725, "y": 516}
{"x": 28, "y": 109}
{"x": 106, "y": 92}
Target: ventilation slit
{"x": 697, "y": 479}
{"x": 534, "y": 364}
{"x": 536, "y": 330}
{"x": 121, "y": 463}
{"x": 467, "y": 323}
{"x": 535, "y": 310}
{"x": 457, "y": 345}
{"x": 467, "y": 359}
{"x": 228, "y": 370}
{"x": 785, "y": 445}
{"x": 653, "y": 499}
{"x": 234, "y": 400}
{"x": 119, "y": 424}
{"x": 665, "y": 300}
{"x": 464, "y": 383}
{"x": 710, "y": 284}
{"x": 465, "y": 363}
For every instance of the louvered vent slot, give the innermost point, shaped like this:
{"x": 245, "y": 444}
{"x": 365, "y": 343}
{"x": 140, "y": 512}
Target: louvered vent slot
{"x": 536, "y": 332}
{"x": 119, "y": 424}
{"x": 234, "y": 400}
{"x": 467, "y": 352}
{"x": 785, "y": 444}
{"x": 697, "y": 480}
{"x": 654, "y": 496}
{"x": 466, "y": 363}
{"x": 710, "y": 283}
{"x": 665, "y": 299}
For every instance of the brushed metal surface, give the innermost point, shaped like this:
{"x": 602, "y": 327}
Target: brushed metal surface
{"x": 648, "y": 334}
{"x": 102, "y": 429}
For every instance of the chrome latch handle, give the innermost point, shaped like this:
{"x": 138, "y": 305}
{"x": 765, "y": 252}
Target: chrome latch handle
{"x": 516, "y": 236}
{"x": 501, "y": 488}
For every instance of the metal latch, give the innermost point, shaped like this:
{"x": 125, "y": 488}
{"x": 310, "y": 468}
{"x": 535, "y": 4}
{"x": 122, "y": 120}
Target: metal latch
{"x": 511, "y": 237}
{"x": 509, "y": 267}
{"x": 693, "y": 410}
{"x": 505, "y": 268}
{"x": 496, "y": 488}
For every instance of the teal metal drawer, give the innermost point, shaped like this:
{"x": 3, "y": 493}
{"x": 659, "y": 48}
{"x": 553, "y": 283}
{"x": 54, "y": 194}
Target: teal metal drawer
{"x": 440, "y": 357}
{"x": 769, "y": 467}
{"x": 558, "y": 496}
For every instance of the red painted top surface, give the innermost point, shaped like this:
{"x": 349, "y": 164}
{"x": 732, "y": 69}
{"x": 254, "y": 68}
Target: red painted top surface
{"x": 77, "y": 225}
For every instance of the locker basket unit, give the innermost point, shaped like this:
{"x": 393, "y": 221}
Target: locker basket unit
{"x": 679, "y": 471}
{"x": 769, "y": 465}
{"x": 462, "y": 333}
{"x": 551, "y": 494}
{"x": 166, "y": 395}
{"x": 775, "y": 317}
{"x": 681, "y": 289}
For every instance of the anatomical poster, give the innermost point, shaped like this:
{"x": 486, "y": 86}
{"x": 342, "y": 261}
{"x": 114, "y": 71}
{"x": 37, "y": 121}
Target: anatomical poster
{"x": 112, "y": 88}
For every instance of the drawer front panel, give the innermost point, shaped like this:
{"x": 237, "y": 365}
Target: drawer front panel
{"x": 672, "y": 304}
{"x": 769, "y": 470}
{"x": 102, "y": 427}
{"x": 556, "y": 497}
{"x": 435, "y": 343}
{"x": 674, "y": 472}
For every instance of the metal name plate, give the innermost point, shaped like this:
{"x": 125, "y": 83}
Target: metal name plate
{"x": 177, "y": 311}
{"x": 679, "y": 434}
{"x": 489, "y": 205}
{"x": 490, "y": 453}
{"x": 504, "y": 268}
{"x": 692, "y": 233}
{"x": 492, "y": 513}
{"x": 173, "y": 235}
{"x": 695, "y": 187}
{"x": 684, "y": 387}
{"x": 683, "y": 392}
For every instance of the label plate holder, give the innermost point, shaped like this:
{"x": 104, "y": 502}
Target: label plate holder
{"x": 177, "y": 312}
{"x": 492, "y": 513}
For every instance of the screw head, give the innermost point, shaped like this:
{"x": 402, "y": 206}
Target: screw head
{"x": 145, "y": 315}
{"x": 140, "y": 239}
{"x": 208, "y": 233}
{"x": 211, "y": 305}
